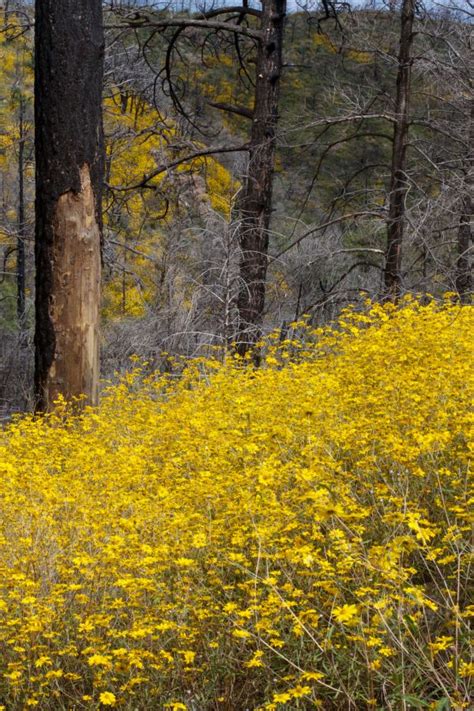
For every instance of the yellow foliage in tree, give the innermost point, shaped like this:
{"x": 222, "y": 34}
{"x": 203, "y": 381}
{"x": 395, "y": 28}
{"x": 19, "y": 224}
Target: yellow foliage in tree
{"x": 359, "y": 56}
{"x": 16, "y": 80}
{"x": 137, "y": 144}
{"x": 221, "y": 187}
{"x": 320, "y": 39}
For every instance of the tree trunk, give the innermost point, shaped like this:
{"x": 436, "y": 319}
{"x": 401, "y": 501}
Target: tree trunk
{"x": 21, "y": 247}
{"x": 255, "y": 204}
{"x": 398, "y": 181}
{"x": 69, "y": 49}
{"x": 463, "y": 263}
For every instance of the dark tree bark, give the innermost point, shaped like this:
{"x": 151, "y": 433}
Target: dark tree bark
{"x": 254, "y": 208}
{"x": 21, "y": 247}
{"x": 463, "y": 263}
{"x": 255, "y": 205}
{"x": 69, "y": 48}
{"x": 398, "y": 181}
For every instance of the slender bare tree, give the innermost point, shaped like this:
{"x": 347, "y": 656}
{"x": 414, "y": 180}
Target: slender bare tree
{"x": 463, "y": 262}
{"x": 398, "y": 180}
{"x": 254, "y": 209}
{"x": 255, "y": 205}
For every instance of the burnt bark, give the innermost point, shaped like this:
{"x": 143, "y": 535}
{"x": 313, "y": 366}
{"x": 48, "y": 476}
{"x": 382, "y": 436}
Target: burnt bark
{"x": 21, "y": 227}
{"x": 398, "y": 179}
{"x": 69, "y": 48}
{"x": 255, "y": 204}
{"x": 463, "y": 262}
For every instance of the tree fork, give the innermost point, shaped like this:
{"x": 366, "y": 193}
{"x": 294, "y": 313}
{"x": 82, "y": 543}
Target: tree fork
{"x": 69, "y": 49}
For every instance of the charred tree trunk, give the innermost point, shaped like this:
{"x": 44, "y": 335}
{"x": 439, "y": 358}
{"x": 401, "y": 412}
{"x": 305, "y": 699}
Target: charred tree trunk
{"x": 21, "y": 247}
{"x": 255, "y": 205}
{"x": 69, "y": 49}
{"x": 463, "y": 263}
{"x": 398, "y": 181}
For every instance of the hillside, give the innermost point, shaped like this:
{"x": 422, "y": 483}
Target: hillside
{"x": 171, "y": 252}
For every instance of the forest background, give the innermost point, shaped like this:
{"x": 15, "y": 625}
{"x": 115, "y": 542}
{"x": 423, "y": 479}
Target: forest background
{"x": 171, "y": 248}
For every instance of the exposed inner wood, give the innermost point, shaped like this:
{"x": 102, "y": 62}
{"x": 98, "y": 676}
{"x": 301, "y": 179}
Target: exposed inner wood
{"x": 74, "y": 305}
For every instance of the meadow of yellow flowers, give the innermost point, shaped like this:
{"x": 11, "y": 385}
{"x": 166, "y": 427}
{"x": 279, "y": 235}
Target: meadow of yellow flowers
{"x": 291, "y": 537}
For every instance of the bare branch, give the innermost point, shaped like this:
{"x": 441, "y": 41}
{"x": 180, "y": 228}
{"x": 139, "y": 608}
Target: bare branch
{"x": 350, "y": 216}
{"x": 239, "y": 110}
{"x": 144, "y": 183}
{"x": 146, "y": 23}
